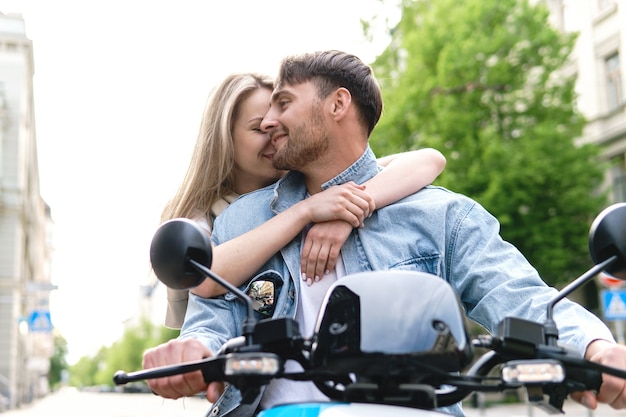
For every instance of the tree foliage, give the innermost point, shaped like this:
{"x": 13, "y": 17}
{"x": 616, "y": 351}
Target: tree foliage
{"x": 83, "y": 373}
{"x": 58, "y": 362}
{"x": 126, "y": 354}
{"x": 480, "y": 81}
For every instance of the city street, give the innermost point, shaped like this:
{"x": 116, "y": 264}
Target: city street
{"x": 72, "y": 403}
{"x": 571, "y": 409}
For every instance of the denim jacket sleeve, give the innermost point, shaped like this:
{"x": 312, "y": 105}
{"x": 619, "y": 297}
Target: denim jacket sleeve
{"x": 494, "y": 280}
{"x": 211, "y": 321}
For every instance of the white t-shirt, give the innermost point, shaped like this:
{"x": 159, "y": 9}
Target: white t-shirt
{"x": 282, "y": 391}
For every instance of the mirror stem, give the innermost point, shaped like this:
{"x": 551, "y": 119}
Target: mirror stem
{"x": 551, "y": 331}
{"x": 250, "y": 321}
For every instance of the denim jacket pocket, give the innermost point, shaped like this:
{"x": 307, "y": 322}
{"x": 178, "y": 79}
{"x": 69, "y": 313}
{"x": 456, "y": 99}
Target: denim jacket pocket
{"x": 228, "y": 401}
{"x": 428, "y": 263}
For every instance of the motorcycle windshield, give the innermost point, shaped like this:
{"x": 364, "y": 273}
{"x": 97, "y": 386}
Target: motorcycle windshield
{"x": 392, "y": 313}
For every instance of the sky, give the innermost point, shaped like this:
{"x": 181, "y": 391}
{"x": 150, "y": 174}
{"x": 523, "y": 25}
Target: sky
{"x": 119, "y": 89}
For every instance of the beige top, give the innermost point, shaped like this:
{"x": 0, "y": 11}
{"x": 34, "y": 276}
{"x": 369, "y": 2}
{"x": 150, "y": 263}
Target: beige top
{"x": 177, "y": 299}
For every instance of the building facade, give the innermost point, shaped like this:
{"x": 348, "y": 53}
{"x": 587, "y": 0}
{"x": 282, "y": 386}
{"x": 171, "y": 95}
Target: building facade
{"x": 26, "y": 339}
{"x": 598, "y": 62}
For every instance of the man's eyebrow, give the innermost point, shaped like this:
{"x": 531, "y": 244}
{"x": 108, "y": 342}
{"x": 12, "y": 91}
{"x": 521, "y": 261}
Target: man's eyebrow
{"x": 276, "y": 94}
{"x": 282, "y": 90}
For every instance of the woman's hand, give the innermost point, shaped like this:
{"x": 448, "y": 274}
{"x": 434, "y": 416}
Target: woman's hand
{"x": 346, "y": 206}
{"x": 321, "y": 249}
{"x": 335, "y": 212}
{"x": 348, "y": 202}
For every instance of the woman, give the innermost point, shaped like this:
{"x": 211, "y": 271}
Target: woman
{"x": 233, "y": 156}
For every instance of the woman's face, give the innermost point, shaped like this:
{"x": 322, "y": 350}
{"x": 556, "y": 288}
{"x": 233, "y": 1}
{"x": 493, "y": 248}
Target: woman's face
{"x": 253, "y": 150}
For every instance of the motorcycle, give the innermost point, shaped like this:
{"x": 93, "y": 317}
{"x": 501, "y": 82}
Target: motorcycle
{"x": 427, "y": 364}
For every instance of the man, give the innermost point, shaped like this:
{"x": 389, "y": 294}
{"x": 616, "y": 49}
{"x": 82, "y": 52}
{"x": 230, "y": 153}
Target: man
{"x": 323, "y": 109}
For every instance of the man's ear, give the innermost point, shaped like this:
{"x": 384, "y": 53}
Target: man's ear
{"x": 341, "y": 102}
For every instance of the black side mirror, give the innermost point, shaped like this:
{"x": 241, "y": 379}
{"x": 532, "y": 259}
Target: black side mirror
{"x": 607, "y": 238}
{"x": 174, "y": 243}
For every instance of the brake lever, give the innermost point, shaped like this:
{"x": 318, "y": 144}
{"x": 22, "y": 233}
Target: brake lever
{"x": 576, "y": 379}
{"x": 581, "y": 375}
{"x": 210, "y": 367}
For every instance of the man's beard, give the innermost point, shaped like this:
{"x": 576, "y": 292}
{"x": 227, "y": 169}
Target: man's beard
{"x": 306, "y": 144}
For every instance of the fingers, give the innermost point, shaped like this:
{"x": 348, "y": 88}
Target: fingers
{"x": 332, "y": 257}
{"x": 214, "y": 391}
{"x": 613, "y": 389}
{"x": 587, "y": 399}
{"x": 313, "y": 259}
{"x": 315, "y": 265}
{"x": 321, "y": 248}
{"x": 359, "y": 203}
{"x": 348, "y": 202}
{"x": 612, "y": 392}
{"x": 363, "y": 195}
{"x": 173, "y": 352}
{"x": 351, "y": 214}
{"x": 306, "y": 259}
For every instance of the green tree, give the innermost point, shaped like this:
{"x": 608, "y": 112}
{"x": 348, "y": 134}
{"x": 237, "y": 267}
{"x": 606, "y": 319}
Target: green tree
{"x": 58, "y": 362}
{"x": 126, "y": 354}
{"x": 83, "y": 373}
{"x": 480, "y": 81}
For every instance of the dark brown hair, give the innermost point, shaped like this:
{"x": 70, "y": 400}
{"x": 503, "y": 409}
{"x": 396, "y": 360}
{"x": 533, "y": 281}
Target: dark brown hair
{"x": 330, "y": 70}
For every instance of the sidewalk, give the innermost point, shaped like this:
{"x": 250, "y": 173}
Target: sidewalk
{"x": 72, "y": 403}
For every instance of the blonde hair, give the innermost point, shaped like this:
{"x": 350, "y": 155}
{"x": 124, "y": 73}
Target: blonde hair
{"x": 210, "y": 173}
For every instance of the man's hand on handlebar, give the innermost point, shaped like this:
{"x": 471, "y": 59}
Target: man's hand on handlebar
{"x": 613, "y": 389}
{"x": 184, "y": 385}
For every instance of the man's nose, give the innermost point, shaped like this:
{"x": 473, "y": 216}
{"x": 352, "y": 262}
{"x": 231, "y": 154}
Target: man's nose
{"x": 269, "y": 122}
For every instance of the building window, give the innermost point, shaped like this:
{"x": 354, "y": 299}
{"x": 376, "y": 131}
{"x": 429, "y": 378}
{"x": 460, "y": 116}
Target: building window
{"x": 619, "y": 188}
{"x": 618, "y": 177}
{"x": 614, "y": 82}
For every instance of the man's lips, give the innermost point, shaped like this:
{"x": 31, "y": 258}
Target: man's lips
{"x": 277, "y": 136}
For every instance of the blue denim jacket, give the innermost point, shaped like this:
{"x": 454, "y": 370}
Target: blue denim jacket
{"x": 434, "y": 230}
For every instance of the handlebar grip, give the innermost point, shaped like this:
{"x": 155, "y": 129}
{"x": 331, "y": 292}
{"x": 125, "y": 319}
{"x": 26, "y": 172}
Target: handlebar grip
{"x": 581, "y": 379}
{"x": 214, "y": 371}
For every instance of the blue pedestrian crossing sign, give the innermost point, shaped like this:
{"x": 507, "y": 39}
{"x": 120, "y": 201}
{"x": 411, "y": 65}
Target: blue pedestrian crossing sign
{"x": 614, "y": 304}
{"x": 39, "y": 321}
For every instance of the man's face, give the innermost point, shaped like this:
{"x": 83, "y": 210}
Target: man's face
{"x": 295, "y": 122}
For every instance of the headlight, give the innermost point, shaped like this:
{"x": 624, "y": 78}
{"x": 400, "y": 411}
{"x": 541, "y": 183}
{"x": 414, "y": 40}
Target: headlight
{"x": 533, "y": 371}
{"x": 252, "y": 363}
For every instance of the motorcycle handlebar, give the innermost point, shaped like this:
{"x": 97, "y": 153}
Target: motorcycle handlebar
{"x": 212, "y": 370}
